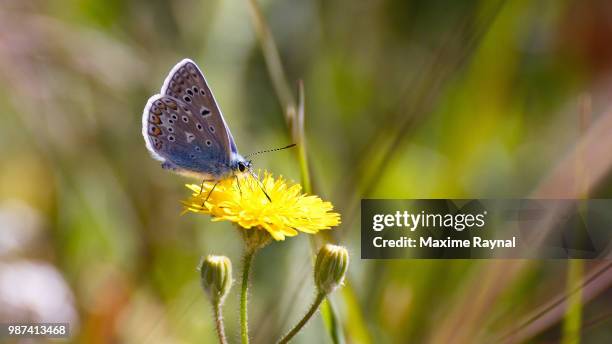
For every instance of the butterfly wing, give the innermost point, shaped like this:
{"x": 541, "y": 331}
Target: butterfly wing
{"x": 182, "y": 139}
{"x": 187, "y": 83}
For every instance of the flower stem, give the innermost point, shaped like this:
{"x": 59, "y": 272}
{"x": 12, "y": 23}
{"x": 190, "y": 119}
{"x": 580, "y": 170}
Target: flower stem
{"x": 219, "y": 322}
{"x": 246, "y": 267}
{"x": 311, "y": 311}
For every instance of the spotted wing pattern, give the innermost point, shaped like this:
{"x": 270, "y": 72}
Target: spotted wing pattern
{"x": 187, "y": 83}
{"x": 182, "y": 139}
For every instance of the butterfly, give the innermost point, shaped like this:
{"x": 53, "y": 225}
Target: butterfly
{"x": 183, "y": 127}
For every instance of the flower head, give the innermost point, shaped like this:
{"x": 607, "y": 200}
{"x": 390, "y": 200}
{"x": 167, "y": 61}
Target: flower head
{"x": 330, "y": 267}
{"x": 244, "y": 202}
{"x": 216, "y": 277}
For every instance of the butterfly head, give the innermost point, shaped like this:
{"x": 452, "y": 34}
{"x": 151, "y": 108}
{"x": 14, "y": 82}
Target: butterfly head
{"x": 240, "y": 165}
{"x": 243, "y": 166}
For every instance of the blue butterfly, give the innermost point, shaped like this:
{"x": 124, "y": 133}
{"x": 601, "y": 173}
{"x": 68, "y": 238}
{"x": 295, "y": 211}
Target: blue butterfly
{"x": 184, "y": 129}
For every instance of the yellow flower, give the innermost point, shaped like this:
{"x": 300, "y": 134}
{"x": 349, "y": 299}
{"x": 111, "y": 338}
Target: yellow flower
{"x": 245, "y": 204}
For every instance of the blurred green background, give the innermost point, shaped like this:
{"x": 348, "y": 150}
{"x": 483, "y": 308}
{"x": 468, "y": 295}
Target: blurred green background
{"x": 404, "y": 99}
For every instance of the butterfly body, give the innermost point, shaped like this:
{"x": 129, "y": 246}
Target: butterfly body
{"x": 184, "y": 128}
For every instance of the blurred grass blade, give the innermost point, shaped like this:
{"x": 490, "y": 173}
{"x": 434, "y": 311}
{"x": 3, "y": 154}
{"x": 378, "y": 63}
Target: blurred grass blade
{"x": 330, "y": 319}
{"x": 301, "y": 139}
{"x": 596, "y": 281}
{"x": 573, "y": 315}
{"x": 572, "y": 321}
{"x": 355, "y": 322}
{"x": 273, "y": 62}
{"x": 294, "y": 114}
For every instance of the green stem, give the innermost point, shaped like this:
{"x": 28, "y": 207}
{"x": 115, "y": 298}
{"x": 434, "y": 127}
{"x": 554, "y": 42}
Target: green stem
{"x": 246, "y": 267}
{"x": 311, "y": 311}
{"x": 219, "y": 322}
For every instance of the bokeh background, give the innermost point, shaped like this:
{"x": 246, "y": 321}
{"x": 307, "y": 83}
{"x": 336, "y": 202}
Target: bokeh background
{"x": 403, "y": 99}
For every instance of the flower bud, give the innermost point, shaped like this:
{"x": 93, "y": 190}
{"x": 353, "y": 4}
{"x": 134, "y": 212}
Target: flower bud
{"x": 330, "y": 267}
{"x": 216, "y": 276}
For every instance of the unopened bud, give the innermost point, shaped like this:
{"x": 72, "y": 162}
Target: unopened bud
{"x": 216, "y": 275}
{"x": 330, "y": 267}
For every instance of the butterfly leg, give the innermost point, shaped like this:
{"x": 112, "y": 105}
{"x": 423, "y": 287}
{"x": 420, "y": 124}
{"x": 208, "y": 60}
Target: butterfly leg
{"x": 210, "y": 192}
{"x": 202, "y": 185}
{"x": 238, "y": 183}
{"x": 261, "y": 186}
{"x": 264, "y": 191}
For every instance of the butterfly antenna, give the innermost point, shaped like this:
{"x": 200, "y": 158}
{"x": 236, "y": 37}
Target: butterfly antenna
{"x": 271, "y": 150}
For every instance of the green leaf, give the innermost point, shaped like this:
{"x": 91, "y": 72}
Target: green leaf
{"x": 330, "y": 319}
